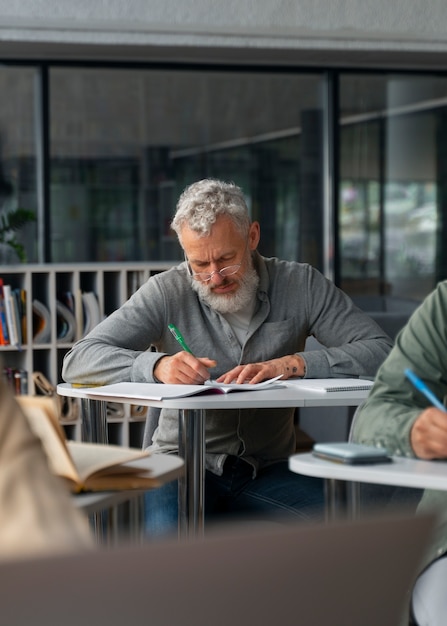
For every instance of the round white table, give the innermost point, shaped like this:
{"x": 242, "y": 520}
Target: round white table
{"x": 342, "y": 480}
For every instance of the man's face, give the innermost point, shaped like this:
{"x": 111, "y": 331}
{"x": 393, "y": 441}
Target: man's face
{"x": 224, "y": 247}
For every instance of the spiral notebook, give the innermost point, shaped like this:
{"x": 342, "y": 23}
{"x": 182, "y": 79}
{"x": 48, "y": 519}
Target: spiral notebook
{"x": 328, "y": 385}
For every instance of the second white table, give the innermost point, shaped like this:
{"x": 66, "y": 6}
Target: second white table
{"x": 401, "y": 472}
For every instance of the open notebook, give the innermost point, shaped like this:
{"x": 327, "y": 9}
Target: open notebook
{"x": 327, "y": 385}
{"x": 345, "y": 574}
{"x": 157, "y": 391}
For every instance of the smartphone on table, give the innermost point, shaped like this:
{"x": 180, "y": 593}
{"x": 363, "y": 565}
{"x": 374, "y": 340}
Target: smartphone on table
{"x": 351, "y": 453}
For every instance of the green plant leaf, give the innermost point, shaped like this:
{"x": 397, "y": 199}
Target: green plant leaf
{"x": 12, "y": 222}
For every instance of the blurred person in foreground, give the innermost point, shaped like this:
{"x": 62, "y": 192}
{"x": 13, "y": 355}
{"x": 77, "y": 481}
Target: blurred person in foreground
{"x": 37, "y": 516}
{"x": 245, "y": 317}
{"x": 398, "y": 417}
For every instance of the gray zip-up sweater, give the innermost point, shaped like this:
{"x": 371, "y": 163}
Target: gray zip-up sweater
{"x": 293, "y": 301}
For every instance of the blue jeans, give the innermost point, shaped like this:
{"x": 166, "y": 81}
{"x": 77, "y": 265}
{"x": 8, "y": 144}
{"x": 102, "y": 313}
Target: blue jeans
{"x": 275, "y": 494}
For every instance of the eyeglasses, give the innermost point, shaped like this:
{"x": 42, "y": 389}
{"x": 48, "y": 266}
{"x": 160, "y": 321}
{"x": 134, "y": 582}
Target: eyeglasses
{"x": 205, "y": 277}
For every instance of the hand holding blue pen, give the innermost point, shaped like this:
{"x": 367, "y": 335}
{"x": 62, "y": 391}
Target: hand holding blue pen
{"x": 422, "y": 387}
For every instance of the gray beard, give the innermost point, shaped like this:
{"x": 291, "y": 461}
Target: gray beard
{"x": 230, "y": 303}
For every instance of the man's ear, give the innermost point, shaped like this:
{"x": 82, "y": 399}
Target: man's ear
{"x": 254, "y": 235}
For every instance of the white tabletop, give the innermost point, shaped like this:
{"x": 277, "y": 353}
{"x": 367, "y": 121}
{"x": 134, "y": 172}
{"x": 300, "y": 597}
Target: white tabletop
{"x": 192, "y": 429}
{"x": 265, "y": 398}
{"x": 401, "y": 472}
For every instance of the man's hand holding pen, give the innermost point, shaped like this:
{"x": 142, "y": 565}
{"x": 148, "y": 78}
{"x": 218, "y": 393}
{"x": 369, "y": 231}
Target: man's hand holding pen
{"x": 183, "y": 368}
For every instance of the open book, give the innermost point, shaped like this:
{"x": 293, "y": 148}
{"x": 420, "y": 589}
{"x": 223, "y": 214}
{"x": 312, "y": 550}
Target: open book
{"x": 160, "y": 391}
{"x": 95, "y": 467}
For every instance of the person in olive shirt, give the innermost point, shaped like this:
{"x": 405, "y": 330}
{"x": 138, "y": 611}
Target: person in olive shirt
{"x": 400, "y": 418}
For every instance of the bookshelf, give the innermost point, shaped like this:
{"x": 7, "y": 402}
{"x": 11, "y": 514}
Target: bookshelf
{"x": 112, "y": 284}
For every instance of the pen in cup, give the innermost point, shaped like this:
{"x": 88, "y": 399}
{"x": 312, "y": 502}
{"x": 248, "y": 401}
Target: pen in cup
{"x": 178, "y": 337}
{"x": 422, "y": 387}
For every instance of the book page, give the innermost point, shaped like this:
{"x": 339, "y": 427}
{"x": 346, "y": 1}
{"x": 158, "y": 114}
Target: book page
{"x": 228, "y": 387}
{"x": 160, "y": 391}
{"x": 38, "y": 412}
{"x": 93, "y": 458}
{"x": 146, "y": 473}
{"x": 142, "y": 391}
{"x": 72, "y": 460}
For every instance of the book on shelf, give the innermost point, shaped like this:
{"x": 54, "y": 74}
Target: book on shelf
{"x": 79, "y": 314}
{"x": 65, "y": 323}
{"x": 67, "y": 298}
{"x": 16, "y": 379}
{"x": 12, "y": 316}
{"x": 86, "y": 311}
{"x": 21, "y": 297}
{"x": 328, "y": 385}
{"x": 16, "y": 301}
{"x": 41, "y": 322}
{"x": 71, "y": 323}
{"x": 160, "y": 391}
{"x": 91, "y": 312}
{"x": 4, "y": 334}
{"x": 94, "y": 467}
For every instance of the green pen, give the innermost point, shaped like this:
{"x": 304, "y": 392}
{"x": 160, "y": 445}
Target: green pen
{"x": 178, "y": 337}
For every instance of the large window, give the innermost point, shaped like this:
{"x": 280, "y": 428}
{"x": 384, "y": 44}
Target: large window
{"x": 392, "y": 170}
{"x": 19, "y": 159}
{"x": 101, "y": 154}
{"x": 125, "y": 143}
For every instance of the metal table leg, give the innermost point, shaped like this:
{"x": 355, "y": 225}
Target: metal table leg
{"x": 191, "y": 496}
{"x": 342, "y": 499}
{"x": 94, "y": 421}
{"x": 94, "y": 430}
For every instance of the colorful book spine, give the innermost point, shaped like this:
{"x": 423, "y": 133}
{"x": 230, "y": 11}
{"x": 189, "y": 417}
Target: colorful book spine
{"x": 21, "y": 308}
{"x": 11, "y": 316}
{"x": 4, "y": 334}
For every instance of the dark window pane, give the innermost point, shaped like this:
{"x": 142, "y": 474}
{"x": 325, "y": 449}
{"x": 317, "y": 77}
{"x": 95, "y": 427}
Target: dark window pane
{"x": 392, "y": 184}
{"x": 125, "y": 143}
{"x": 18, "y": 154}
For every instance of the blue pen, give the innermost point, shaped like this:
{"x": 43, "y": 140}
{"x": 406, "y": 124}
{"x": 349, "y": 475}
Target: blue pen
{"x": 422, "y": 387}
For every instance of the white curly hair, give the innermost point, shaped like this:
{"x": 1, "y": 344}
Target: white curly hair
{"x": 204, "y": 201}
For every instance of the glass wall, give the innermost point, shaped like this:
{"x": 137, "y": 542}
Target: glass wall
{"x": 392, "y": 180}
{"x": 124, "y": 144}
{"x": 18, "y": 156}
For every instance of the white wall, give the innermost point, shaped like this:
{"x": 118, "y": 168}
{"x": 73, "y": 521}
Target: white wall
{"x": 366, "y": 32}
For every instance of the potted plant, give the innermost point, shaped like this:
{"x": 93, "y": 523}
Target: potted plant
{"x": 10, "y": 223}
